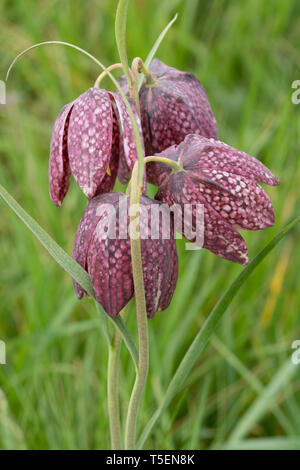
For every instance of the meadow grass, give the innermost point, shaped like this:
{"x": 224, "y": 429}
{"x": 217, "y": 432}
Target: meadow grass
{"x": 243, "y": 391}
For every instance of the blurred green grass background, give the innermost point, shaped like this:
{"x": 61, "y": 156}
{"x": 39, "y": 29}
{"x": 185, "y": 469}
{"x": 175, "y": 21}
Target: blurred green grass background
{"x": 242, "y": 392}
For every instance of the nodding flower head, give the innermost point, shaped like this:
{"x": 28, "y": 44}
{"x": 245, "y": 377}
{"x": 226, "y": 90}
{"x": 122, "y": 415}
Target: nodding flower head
{"x": 87, "y": 142}
{"x": 173, "y": 105}
{"x": 224, "y": 181}
{"x": 102, "y": 248}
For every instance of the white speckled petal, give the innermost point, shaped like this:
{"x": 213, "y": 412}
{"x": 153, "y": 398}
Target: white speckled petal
{"x": 200, "y": 153}
{"x": 220, "y": 237}
{"x": 59, "y": 168}
{"x": 90, "y": 139}
{"x": 240, "y": 201}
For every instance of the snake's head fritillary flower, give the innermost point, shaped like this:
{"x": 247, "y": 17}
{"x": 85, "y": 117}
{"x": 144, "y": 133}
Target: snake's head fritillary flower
{"x": 93, "y": 139}
{"x": 224, "y": 181}
{"x": 173, "y": 105}
{"x": 102, "y": 248}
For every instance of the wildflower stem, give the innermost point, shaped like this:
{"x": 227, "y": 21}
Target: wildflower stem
{"x": 113, "y": 387}
{"x": 104, "y": 73}
{"x": 176, "y": 166}
{"x": 141, "y": 312}
{"x": 140, "y": 67}
{"x": 135, "y": 242}
{"x": 133, "y": 89}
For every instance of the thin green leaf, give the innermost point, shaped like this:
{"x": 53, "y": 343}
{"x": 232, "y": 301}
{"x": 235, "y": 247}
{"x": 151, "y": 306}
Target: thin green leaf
{"x": 155, "y": 47}
{"x": 264, "y": 402}
{"x": 67, "y": 263}
{"x": 103, "y": 319}
{"x": 250, "y": 379}
{"x": 268, "y": 443}
{"x": 208, "y": 329}
{"x": 119, "y": 323}
{"x": 120, "y": 32}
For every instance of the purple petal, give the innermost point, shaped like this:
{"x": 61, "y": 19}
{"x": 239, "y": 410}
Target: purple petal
{"x": 172, "y": 277}
{"x": 240, "y": 201}
{"x": 159, "y": 258}
{"x": 212, "y": 155}
{"x": 123, "y": 171}
{"x": 88, "y": 223}
{"x": 109, "y": 259}
{"x": 128, "y": 155}
{"x": 109, "y": 179}
{"x": 90, "y": 139}
{"x": 59, "y": 169}
{"x": 109, "y": 267}
{"x": 220, "y": 237}
{"x": 175, "y": 106}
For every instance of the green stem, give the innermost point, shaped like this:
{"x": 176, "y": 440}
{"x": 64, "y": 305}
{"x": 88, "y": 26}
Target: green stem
{"x": 140, "y": 67}
{"x": 175, "y": 165}
{"x": 104, "y": 73}
{"x": 113, "y": 393}
{"x": 139, "y": 290}
{"x": 135, "y": 242}
{"x": 133, "y": 89}
{"x": 113, "y": 387}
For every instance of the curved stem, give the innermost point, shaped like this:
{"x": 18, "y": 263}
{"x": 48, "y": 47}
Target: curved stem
{"x": 113, "y": 387}
{"x": 139, "y": 65}
{"x": 139, "y": 146}
{"x": 128, "y": 340}
{"x": 49, "y": 43}
{"x": 133, "y": 89}
{"x": 104, "y": 73}
{"x": 176, "y": 166}
{"x": 139, "y": 290}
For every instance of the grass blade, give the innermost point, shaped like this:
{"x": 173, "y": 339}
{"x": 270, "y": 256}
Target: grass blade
{"x": 263, "y": 403}
{"x": 155, "y": 47}
{"x": 120, "y": 32}
{"x": 208, "y": 329}
{"x": 271, "y": 443}
{"x": 66, "y": 262}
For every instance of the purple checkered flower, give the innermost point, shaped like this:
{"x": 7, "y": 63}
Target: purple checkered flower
{"x": 172, "y": 107}
{"x": 93, "y": 139}
{"x": 224, "y": 181}
{"x": 102, "y": 248}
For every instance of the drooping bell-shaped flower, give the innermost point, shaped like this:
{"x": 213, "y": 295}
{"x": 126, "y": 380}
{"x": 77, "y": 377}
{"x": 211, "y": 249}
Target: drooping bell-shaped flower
{"x": 173, "y": 105}
{"x": 224, "y": 181}
{"x": 102, "y": 248}
{"x": 93, "y": 139}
